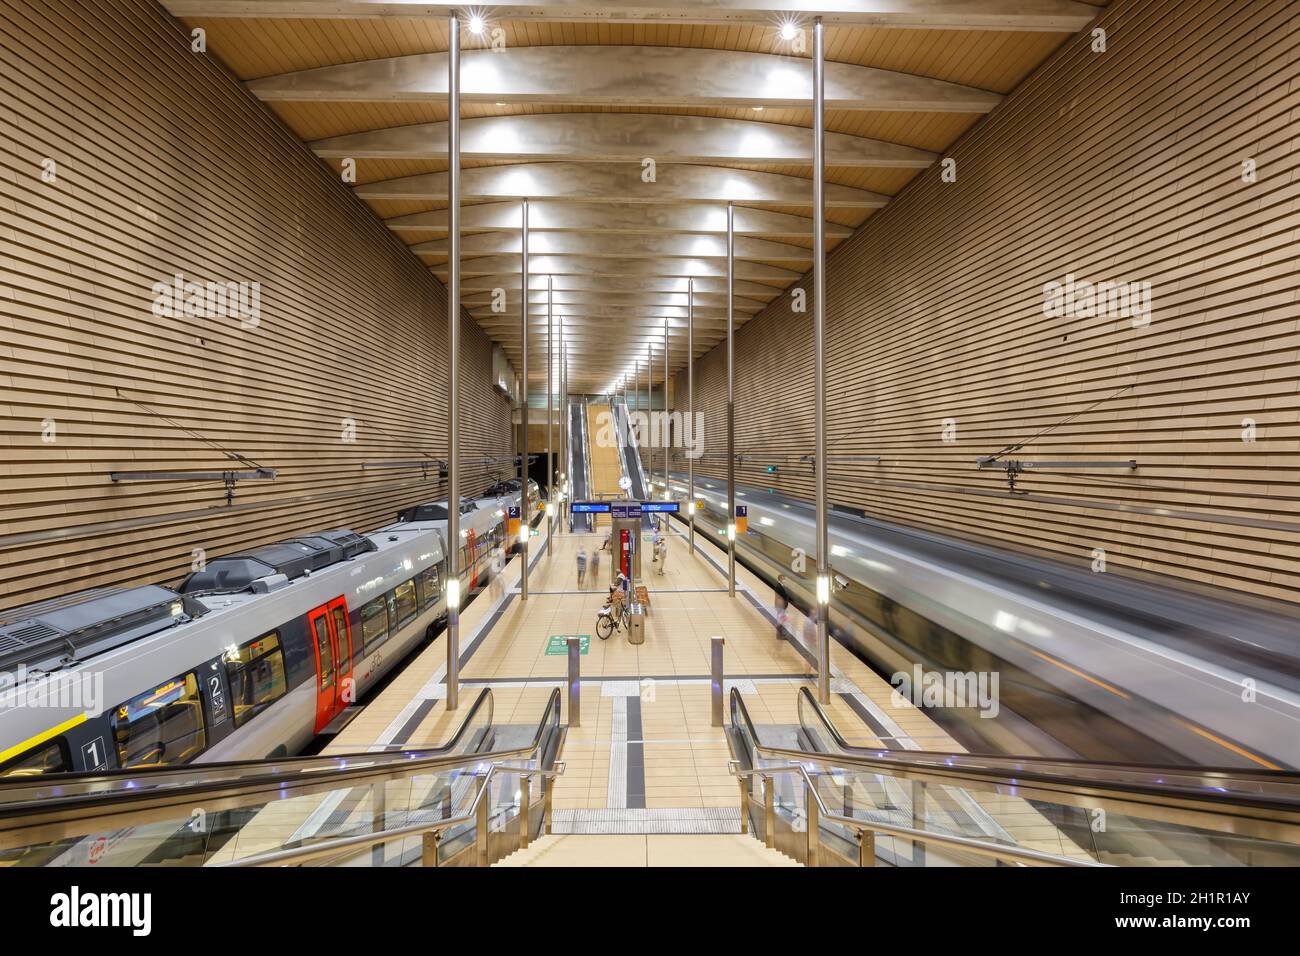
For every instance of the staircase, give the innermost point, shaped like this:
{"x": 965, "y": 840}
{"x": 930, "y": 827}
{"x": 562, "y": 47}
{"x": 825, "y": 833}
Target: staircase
{"x": 731, "y": 849}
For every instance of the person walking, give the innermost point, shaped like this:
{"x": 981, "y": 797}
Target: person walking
{"x": 498, "y": 570}
{"x": 594, "y": 567}
{"x": 782, "y": 606}
{"x": 582, "y": 566}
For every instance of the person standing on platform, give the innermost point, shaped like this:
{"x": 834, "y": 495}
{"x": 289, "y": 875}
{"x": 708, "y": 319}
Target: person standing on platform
{"x": 594, "y": 567}
{"x": 663, "y": 554}
{"x": 582, "y": 565}
{"x": 782, "y": 606}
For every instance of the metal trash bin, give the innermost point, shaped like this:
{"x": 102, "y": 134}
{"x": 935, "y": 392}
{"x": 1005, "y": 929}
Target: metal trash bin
{"x": 636, "y": 623}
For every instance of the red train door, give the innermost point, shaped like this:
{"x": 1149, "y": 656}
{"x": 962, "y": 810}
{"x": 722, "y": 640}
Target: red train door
{"x": 331, "y": 636}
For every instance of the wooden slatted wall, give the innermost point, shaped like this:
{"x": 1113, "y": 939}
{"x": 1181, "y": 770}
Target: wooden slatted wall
{"x": 165, "y": 166}
{"x": 1125, "y": 166}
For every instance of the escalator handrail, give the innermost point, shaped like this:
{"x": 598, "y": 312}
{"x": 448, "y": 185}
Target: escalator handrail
{"x": 1037, "y": 764}
{"x": 140, "y": 778}
{"x": 54, "y": 817}
{"x": 1239, "y": 814}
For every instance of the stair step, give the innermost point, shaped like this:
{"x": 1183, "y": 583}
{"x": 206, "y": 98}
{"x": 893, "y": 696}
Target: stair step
{"x": 625, "y": 850}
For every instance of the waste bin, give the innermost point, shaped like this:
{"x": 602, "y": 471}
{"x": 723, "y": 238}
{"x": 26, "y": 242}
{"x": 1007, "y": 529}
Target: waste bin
{"x": 636, "y": 624}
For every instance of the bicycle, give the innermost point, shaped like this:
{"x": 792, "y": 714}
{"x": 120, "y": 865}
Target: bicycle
{"x": 611, "y": 619}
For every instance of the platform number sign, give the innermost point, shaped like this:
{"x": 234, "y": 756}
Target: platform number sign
{"x": 94, "y": 755}
{"x": 742, "y": 519}
{"x": 217, "y": 697}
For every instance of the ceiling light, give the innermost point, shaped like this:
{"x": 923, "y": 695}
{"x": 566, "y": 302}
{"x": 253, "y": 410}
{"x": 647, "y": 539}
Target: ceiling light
{"x": 757, "y": 109}
{"x": 788, "y": 30}
{"x": 475, "y": 24}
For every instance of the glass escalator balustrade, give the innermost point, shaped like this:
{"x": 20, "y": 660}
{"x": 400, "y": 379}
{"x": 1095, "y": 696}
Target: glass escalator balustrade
{"x": 1069, "y": 812}
{"x": 235, "y": 814}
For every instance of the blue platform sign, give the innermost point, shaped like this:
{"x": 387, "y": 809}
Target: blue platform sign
{"x": 627, "y": 510}
{"x": 589, "y": 507}
{"x": 666, "y": 507}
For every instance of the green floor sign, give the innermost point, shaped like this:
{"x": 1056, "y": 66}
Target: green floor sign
{"x": 558, "y": 643}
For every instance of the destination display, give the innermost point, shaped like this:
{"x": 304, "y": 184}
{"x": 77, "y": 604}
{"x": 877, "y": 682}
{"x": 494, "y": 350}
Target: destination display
{"x": 590, "y": 507}
{"x": 667, "y": 507}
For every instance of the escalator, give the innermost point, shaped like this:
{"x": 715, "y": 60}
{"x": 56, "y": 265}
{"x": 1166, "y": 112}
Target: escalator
{"x": 484, "y": 794}
{"x": 630, "y": 455}
{"x": 819, "y": 799}
{"x": 579, "y": 462}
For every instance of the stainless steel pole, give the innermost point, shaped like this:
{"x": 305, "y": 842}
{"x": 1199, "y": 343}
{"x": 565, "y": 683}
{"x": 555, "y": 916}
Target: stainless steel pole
{"x": 564, "y": 429}
{"x": 550, "y": 423}
{"x": 731, "y": 402}
{"x": 819, "y": 334}
{"x": 663, "y": 430}
{"x": 524, "y": 524}
{"x": 453, "y": 318}
{"x": 690, "y": 411}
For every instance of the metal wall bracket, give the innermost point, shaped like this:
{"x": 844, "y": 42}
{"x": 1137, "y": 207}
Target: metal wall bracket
{"x": 228, "y": 478}
{"x": 1014, "y": 466}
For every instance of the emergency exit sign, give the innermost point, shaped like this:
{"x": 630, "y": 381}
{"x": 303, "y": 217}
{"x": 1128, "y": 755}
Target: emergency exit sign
{"x": 558, "y": 644}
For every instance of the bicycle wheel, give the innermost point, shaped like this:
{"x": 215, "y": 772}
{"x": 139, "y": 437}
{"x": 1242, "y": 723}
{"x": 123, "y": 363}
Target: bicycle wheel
{"x": 604, "y": 627}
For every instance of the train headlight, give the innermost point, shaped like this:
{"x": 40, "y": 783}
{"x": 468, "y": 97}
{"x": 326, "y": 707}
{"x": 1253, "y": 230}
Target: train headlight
{"x": 823, "y": 589}
{"x": 453, "y": 593}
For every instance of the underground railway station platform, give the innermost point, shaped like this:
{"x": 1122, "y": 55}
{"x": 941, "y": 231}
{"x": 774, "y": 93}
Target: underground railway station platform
{"x": 561, "y": 437}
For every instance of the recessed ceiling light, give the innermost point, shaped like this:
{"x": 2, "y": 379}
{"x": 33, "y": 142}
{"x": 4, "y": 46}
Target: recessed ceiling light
{"x": 757, "y": 109}
{"x": 475, "y": 24}
{"x": 788, "y": 31}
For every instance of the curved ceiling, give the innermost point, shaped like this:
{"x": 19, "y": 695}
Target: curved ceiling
{"x": 629, "y": 126}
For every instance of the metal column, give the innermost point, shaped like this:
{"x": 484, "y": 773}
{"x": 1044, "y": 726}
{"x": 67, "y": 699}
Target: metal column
{"x": 690, "y": 410}
{"x": 819, "y": 334}
{"x": 564, "y": 428}
{"x": 524, "y": 524}
{"x": 550, "y": 423}
{"x": 453, "y": 318}
{"x": 731, "y": 402}
{"x": 663, "y": 430}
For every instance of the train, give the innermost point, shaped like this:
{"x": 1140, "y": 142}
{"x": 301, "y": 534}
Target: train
{"x": 1094, "y": 666}
{"x": 252, "y": 655}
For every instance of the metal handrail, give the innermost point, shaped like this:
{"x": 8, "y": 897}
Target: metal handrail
{"x": 52, "y": 818}
{"x": 362, "y": 841}
{"x": 140, "y": 778}
{"x": 865, "y": 830}
{"x": 1237, "y": 814}
{"x": 1030, "y": 762}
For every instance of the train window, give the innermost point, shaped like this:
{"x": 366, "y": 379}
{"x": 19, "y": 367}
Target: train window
{"x": 322, "y": 634}
{"x": 374, "y": 624}
{"x": 404, "y": 597}
{"x": 344, "y": 638}
{"x": 430, "y": 587}
{"x": 256, "y": 675}
{"x": 50, "y": 757}
{"x": 161, "y": 726}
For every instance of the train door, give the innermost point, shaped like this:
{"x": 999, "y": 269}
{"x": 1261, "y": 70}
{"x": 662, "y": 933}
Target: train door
{"x": 332, "y": 639}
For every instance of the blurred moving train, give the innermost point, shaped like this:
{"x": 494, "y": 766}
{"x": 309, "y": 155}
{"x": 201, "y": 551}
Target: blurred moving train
{"x": 1099, "y": 666}
{"x": 250, "y": 657}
